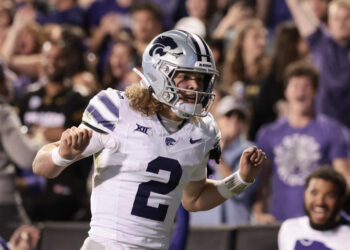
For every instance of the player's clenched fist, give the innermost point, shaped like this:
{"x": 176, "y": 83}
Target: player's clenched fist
{"x": 250, "y": 164}
{"x": 74, "y": 141}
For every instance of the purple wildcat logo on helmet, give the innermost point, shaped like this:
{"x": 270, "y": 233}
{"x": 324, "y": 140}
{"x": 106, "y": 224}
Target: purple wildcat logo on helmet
{"x": 162, "y": 45}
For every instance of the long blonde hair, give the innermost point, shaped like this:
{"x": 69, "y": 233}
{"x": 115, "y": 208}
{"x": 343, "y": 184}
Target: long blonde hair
{"x": 141, "y": 100}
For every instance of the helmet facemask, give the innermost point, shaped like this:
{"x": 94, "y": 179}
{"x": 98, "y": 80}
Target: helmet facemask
{"x": 192, "y": 102}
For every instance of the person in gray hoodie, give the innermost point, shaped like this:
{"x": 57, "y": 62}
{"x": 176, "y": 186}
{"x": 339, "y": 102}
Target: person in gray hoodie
{"x": 15, "y": 149}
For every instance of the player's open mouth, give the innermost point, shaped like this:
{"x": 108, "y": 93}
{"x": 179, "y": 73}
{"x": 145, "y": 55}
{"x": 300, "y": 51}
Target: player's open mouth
{"x": 188, "y": 98}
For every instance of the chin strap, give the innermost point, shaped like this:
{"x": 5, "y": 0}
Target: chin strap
{"x": 186, "y": 110}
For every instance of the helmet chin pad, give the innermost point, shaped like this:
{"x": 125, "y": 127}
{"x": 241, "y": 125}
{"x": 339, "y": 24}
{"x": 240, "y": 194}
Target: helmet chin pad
{"x": 186, "y": 110}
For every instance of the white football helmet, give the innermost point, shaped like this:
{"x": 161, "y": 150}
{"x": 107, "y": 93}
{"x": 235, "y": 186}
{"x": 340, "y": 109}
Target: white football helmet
{"x": 178, "y": 51}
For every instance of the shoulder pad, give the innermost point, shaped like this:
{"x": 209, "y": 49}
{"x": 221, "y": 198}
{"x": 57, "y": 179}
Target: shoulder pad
{"x": 209, "y": 125}
{"x": 102, "y": 111}
{"x": 211, "y": 129}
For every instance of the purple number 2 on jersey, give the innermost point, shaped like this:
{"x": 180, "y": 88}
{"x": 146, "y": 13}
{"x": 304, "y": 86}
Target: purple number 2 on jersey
{"x": 140, "y": 207}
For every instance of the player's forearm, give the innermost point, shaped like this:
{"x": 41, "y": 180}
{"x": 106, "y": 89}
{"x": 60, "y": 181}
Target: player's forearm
{"x": 207, "y": 194}
{"x": 206, "y": 199}
{"x": 43, "y": 164}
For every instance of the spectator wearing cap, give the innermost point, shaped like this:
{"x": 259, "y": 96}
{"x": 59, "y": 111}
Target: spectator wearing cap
{"x": 232, "y": 116}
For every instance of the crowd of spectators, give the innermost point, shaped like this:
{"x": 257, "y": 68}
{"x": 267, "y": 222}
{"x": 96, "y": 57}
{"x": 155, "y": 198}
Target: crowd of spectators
{"x": 281, "y": 62}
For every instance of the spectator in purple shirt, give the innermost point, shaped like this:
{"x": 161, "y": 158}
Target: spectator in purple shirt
{"x": 296, "y": 145}
{"x": 330, "y": 49}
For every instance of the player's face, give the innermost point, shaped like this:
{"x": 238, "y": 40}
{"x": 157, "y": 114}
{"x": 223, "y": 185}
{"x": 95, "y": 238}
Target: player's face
{"x": 322, "y": 202}
{"x": 339, "y": 23}
{"x": 191, "y": 81}
{"x": 300, "y": 94}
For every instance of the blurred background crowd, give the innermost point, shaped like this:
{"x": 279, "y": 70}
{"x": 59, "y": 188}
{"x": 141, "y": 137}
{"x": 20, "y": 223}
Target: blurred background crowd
{"x": 284, "y": 85}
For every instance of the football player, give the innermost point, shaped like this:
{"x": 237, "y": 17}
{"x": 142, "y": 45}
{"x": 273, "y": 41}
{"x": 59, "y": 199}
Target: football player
{"x": 151, "y": 145}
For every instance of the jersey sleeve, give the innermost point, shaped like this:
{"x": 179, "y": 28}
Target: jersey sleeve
{"x": 200, "y": 172}
{"x": 212, "y": 131}
{"x": 98, "y": 142}
{"x": 102, "y": 112}
{"x": 101, "y": 116}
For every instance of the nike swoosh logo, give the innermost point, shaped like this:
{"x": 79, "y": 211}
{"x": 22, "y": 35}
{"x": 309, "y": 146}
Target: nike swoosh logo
{"x": 195, "y": 141}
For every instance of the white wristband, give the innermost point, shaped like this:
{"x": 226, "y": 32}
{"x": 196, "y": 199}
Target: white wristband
{"x": 232, "y": 185}
{"x": 58, "y": 159}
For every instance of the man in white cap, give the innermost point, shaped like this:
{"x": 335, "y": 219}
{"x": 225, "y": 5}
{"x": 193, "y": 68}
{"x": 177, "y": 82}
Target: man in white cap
{"x": 232, "y": 115}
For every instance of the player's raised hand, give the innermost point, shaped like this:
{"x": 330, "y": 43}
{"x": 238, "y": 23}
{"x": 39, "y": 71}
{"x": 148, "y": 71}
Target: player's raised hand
{"x": 74, "y": 141}
{"x": 250, "y": 163}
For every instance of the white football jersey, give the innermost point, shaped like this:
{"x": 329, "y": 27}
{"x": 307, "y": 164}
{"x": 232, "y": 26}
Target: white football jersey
{"x": 297, "y": 234}
{"x": 141, "y": 169}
